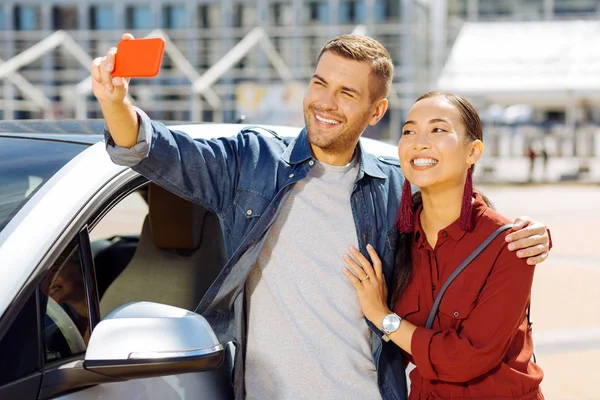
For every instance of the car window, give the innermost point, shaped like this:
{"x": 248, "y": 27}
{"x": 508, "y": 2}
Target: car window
{"x": 114, "y": 239}
{"x": 124, "y": 219}
{"x": 19, "y": 346}
{"x": 63, "y": 297}
{"x": 25, "y": 165}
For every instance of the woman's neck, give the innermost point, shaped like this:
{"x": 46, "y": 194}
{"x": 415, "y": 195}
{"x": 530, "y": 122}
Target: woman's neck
{"x": 441, "y": 207}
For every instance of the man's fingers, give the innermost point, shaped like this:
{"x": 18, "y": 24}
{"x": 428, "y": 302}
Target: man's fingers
{"x": 535, "y": 229}
{"x": 95, "y": 69}
{"x": 119, "y": 81}
{"x": 522, "y": 222}
{"x": 529, "y": 241}
{"x": 537, "y": 259}
{"x": 532, "y": 251}
{"x": 127, "y": 36}
{"x": 107, "y": 66}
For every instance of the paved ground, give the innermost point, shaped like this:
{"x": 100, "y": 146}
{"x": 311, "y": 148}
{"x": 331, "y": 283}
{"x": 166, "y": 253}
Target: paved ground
{"x": 566, "y": 298}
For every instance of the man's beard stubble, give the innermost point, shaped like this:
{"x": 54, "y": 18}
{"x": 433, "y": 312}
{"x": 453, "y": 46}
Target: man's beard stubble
{"x": 341, "y": 142}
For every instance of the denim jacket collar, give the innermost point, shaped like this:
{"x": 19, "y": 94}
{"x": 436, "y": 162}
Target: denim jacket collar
{"x": 299, "y": 151}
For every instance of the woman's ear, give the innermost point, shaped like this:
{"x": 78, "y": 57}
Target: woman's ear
{"x": 476, "y": 151}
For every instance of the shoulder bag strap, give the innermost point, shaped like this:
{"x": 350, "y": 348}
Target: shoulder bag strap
{"x": 459, "y": 269}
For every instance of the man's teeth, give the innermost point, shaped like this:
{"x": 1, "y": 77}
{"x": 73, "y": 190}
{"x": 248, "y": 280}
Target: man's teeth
{"x": 327, "y": 121}
{"x": 424, "y": 162}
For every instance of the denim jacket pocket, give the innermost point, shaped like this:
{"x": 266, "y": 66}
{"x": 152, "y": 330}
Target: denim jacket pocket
{"x": 250, "y": 203}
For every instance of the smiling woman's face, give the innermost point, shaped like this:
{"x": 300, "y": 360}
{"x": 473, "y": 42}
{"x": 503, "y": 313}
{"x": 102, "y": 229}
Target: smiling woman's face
{"x": 434, "y": 150}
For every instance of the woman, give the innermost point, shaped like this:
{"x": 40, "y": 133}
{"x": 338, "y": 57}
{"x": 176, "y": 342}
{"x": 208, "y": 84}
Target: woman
{"x": 480, "y": 344}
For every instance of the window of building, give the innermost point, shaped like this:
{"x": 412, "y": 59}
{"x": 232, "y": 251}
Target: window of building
{"x": 238, "y": 15}
{"x": 175, "y": 17}
{"x": 318, "y": 12}
{"x": 244, "y": 15}
{"x": 352, "y": 12}
{"x": 64, "y": 18}
{"x": 387, "y": 10}
{"x": 27, "y": 18}
{"x": 494, "y": 8}
{"x": 102, "y": 18}
{"x": 209, "y": 15}
{"x": 139, "y": 17}
{"x": 280, "y": 14}
{"x": 458, "y": 8}
{"x": 2, "y": 17}
{"x": 275, "y": 14}
{"x": 203, "y": 16}
{"x": 580, "y": 7}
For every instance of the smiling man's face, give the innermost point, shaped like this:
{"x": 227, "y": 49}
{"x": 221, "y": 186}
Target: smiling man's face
{"x": 338, "y": 107}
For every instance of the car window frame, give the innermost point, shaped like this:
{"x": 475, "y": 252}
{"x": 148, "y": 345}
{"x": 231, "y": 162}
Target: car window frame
{"x": 52, "y": 372}
{"x": 111, "y": 193}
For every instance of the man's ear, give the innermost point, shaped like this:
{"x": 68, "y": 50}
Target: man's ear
{"x": 476, "y": 152}
{"x": 379, "y": 111}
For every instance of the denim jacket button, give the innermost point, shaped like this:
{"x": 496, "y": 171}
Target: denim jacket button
{"x": 311, "y": 163}
{"x": 249, "y": 212}
{"x": 291, "y": 175}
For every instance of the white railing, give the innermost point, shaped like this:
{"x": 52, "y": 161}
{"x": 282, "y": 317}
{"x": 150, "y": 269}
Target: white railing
{"x": 200, "y": 71}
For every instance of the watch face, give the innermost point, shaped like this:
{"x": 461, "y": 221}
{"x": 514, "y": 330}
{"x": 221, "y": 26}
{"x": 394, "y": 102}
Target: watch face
{"x": 391, "y": 323}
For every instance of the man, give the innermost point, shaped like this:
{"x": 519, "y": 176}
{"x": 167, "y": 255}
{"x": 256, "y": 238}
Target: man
{"x": 290, "y": 208}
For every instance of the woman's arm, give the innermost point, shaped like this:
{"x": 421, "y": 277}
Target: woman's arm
{"x": 485, "y": 335}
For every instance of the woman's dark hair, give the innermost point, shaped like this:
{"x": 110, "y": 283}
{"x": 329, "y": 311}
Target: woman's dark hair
{"x": 403, "y": 261}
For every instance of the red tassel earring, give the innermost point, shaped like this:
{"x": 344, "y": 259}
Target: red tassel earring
{"x": 404, "y": 220}
{"x": 466, "y": 211}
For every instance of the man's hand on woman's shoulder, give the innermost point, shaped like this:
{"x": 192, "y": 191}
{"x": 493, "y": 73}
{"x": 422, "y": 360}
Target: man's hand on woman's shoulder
{"x": 530, "y": 239}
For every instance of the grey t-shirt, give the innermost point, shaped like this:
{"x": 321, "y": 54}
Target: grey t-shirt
{"x": 307, "y": 338}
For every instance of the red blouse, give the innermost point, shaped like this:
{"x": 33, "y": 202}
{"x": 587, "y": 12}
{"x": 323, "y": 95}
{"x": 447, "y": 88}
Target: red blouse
{"x": 480, "y": 345}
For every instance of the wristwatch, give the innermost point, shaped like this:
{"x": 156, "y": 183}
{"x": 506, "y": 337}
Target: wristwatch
{"x": 390, "y": 324}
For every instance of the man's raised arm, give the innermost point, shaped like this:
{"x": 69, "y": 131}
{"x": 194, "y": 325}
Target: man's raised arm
{"x": 111, "y": 92}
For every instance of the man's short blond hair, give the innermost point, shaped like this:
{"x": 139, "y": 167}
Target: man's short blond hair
{"x": 365, "y": 49}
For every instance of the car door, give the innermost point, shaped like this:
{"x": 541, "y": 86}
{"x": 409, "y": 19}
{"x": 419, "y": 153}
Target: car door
{"x": 117, "y": 225}
{"x": 53, "y": 317}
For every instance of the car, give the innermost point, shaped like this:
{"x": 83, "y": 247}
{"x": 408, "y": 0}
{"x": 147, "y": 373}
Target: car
{"x": 102, "y": 270}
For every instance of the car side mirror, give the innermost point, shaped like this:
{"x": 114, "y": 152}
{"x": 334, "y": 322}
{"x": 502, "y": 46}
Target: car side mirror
{"x": 143, "y": 339}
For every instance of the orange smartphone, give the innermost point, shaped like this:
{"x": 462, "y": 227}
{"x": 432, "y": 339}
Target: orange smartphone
{"x": 139, "y": 58}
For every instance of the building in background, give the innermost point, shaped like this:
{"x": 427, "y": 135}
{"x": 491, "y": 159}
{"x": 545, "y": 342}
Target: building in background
{"x": 420, "y": 35}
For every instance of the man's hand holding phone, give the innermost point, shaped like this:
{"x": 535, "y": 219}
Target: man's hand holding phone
{"x": 131, "y": 58}
{"x": 105, "y": 86}
{"x": 110, "y": 83}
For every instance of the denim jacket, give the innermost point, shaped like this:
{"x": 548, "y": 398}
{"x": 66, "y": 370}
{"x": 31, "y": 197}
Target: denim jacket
{"x": 245, "y": 179}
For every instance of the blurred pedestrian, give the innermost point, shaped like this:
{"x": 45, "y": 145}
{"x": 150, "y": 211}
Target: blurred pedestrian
{"x": 545, "y": 162}
{"x": 531, "y": 155}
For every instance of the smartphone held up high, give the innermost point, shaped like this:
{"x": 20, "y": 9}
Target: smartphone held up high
{"x": 139, "y": 58}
